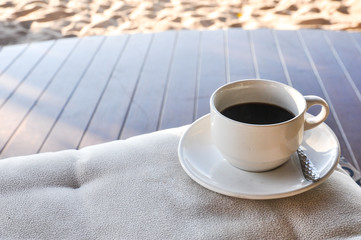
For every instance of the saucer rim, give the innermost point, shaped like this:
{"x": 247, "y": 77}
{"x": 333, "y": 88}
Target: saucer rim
{"x": 193, "y": 175}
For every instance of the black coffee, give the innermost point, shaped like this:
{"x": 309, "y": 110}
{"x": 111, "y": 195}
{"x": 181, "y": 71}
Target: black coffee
{"x": 257, "y": 113}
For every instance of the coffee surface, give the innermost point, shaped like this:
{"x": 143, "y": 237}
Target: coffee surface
{"x": 257, "y": 113}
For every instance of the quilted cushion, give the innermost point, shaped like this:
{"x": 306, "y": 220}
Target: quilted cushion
{"x": 137, "y": 189}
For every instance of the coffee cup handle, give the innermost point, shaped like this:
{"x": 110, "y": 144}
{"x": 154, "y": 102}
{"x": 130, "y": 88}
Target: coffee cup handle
{"x": 311, "y": 122}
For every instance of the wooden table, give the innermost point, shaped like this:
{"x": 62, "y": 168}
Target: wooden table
{"x": 74, "y": 92}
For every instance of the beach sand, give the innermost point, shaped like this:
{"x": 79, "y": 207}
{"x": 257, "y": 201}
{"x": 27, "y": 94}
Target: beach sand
{"x": 36, "y": 20}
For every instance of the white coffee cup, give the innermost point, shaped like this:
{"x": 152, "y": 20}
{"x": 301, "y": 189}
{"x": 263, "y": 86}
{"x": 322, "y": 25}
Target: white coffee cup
{"x": 261, "y": 147}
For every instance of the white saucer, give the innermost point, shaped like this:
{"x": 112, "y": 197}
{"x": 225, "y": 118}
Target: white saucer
{"x": 204, "y": 164}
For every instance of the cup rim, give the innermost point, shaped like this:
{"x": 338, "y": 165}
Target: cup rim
{"x": 213, "y": 107}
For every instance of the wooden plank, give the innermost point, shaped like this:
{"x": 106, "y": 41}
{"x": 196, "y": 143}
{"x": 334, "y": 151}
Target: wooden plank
{"x": 356, "y": 39}
{"x": 341, "y": 94}
{"x": 25, "y": 97}
{"x": 31, "y": 134}
{"x": 348, "y": 56}
{"x": 267, "y": 55}
{"x": 145, "y": 109}
{"x": 178, "y": 106}
{"x": 9, "y": 54}
{"x": 302, "y": 76}
{"x": 240, "y": 58}
{"x": 71, "y": 124}
{"x": 212, "y": 69}
{"x": 111, "y": 111}
{"x": 11, "y": 79}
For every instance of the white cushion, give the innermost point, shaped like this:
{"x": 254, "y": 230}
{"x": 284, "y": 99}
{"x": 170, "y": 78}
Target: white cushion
{"x": 137, "y": 189}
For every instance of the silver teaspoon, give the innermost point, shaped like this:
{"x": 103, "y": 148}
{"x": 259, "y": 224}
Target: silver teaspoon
{"x": 308, "y": 169}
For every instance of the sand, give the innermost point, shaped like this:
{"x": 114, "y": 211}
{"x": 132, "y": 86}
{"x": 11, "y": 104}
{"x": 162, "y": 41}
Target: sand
{"x": 35, "y": 20}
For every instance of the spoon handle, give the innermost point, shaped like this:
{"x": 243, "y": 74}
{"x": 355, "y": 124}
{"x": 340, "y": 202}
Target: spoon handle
{"x": 308, "y": 169}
